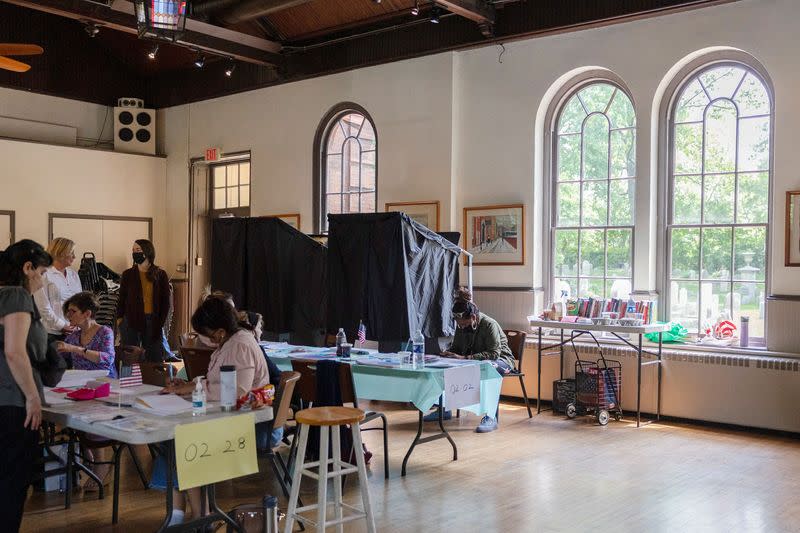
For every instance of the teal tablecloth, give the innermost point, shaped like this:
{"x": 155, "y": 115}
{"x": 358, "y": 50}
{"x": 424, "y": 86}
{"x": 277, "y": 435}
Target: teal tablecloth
{"x": 421, "y": 387}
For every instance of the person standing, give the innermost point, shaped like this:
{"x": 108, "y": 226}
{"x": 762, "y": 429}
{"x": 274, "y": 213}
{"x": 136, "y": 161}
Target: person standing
{"x": 144, "y": 302}
{"x": 22, "y": 267}
{"x": 60, "y": 283}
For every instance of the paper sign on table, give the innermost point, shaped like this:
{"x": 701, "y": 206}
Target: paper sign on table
{"x": 215, "y": 450}
{"x": 462, "y": 386}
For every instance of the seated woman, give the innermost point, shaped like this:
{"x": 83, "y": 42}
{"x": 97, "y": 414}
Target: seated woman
{"x": 217, "y": 320}
{"x": 91, "y": 345}
{"x": 479, "y": 336}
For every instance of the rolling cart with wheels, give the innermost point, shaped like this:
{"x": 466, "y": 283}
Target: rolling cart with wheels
{"x": 598, "y": 390}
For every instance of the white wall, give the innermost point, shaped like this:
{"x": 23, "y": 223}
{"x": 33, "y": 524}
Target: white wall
{"x": 37, "y": 179}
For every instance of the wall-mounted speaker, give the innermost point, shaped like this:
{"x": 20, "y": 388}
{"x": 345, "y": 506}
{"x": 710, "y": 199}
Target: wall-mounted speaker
{"x": 130, "y": 102}
{"x": 135, "y": 130}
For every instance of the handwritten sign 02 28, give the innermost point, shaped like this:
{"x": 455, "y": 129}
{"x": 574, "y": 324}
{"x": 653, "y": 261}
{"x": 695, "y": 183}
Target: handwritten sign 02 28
{"x": 215, "y": 450}
{"x": 462, "y": 386}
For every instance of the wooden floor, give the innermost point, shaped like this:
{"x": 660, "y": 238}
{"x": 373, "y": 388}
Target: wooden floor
{"x": 532, "y": 475}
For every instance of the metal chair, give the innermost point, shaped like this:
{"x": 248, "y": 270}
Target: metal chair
{"x": 516, "y": 342}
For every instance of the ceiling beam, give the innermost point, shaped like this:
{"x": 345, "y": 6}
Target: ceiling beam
{"x": 212, "y": 39}
{"x": 474, "y": 10}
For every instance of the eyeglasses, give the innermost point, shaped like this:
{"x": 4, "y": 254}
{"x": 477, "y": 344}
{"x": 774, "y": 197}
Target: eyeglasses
{"x": 463, "y": 314}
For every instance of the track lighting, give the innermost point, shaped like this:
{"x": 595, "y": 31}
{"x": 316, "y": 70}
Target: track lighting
{"x": 200, "y": 61}
{"x": 230, "y": 69}
{"x": 91, "y": 29}
{"x": 415, "y": 9}
{"x": 435, "y": 15}
{"x": 152, "y": 53}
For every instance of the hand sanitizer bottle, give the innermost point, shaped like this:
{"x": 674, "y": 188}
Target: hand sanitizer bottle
{"x": 198, "y": 398}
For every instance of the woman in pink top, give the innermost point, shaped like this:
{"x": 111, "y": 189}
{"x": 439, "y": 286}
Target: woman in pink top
{"x": 217, "y": 320}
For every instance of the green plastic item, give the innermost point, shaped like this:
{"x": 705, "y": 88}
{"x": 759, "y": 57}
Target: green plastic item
{"x": 675, "y": 333}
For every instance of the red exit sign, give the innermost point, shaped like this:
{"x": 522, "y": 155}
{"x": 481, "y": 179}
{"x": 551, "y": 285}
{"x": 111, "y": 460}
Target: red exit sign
{"x": 213, "y": 154}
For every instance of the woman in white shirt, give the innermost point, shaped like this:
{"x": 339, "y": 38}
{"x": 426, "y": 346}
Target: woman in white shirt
{"x": 60, "y": 283}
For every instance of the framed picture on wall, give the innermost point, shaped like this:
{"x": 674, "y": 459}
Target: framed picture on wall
{"x": 495, "y": 234}
{"x": 793, "y": 228}
{"x": 293, "y": 219}
{"x": 426, "y": 213}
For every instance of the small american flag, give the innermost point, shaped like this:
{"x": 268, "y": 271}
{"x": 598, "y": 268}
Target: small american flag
{"x": 362, "y": 333}
{"x": 130, "y": 376}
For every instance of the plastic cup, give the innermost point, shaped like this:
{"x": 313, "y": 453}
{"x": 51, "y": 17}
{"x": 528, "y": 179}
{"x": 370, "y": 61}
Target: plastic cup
{"x": 405, "y": 358}
{"x": 345, "y": 348}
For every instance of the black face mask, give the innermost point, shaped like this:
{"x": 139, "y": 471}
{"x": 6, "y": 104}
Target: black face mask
{"x": 138, "y": 257}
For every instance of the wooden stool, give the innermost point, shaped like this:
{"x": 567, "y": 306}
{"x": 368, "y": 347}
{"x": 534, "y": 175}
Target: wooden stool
{"x": 327, "y": 418}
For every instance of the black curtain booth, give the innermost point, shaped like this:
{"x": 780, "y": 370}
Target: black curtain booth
{"x": 391, "y": 272}
{"x": 275, "y": 270}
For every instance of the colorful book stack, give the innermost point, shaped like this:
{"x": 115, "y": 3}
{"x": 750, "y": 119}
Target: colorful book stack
{"x": 595, "y": 307}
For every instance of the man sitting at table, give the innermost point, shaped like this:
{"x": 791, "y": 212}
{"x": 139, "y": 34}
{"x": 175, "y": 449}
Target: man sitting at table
{"x": 480, "y": 337}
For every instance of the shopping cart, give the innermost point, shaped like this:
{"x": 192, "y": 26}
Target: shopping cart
{"x": 598, "y": 389}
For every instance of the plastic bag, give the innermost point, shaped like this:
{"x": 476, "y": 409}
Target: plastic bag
{"x": 675, "y": 333}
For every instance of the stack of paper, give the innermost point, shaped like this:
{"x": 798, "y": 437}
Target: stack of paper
{"x": 163, "y": 404}
{"x": 78, "y": 378}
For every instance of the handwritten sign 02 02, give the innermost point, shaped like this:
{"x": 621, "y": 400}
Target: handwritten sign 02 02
{"x": 462, "y": 386}
{"x": 215, "y": 450}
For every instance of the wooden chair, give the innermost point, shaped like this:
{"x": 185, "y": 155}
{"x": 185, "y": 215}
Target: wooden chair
{"x": 196, "y": 360}
{"x": 281, "y": 412}
{"x": 307, "y": 390}
{"x": 516, "y": 342}
{"x": 157, "y": 374}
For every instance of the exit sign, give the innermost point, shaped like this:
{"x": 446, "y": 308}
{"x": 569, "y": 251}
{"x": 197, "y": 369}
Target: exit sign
{"x": 213, "y": 154}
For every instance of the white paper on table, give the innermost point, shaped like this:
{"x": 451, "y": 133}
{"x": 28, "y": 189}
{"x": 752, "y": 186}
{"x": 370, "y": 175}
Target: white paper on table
{"x": 378, "y": 361}
{"x": 163, "y": 404}
{"x": 93, "y": 412}
{"x": 462, "y": 386}
{"x": 55, "y": 398}
{"x": 78, "y": 378}
{"x": 134, "y": 423}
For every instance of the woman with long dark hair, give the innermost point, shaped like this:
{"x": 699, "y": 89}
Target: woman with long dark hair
{"x": 144, "y": 301}
{"x": 22, "y": 266}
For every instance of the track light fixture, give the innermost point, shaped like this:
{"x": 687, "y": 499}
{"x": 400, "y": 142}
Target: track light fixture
{"x": 230, "y": 69}
{"x": 200, "y": 62}
{"x": 415, "y": 9}
{"x": 91, "y": 29}
{"x": 153, "y": 52}
{"x": 435, "y": 12}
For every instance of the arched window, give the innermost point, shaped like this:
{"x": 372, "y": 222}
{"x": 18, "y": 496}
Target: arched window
{"x": 594, "y": 193}
{"x": 348, "y": 163}
{"x": 717, "y": 205}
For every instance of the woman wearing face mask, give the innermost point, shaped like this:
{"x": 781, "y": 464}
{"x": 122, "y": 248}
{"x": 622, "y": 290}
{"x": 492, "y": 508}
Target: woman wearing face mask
{"x": 144, "y": 299}
{"x": 479, "y": 336}
{"x": 60, "y": 282}
{"x": 22, "y": 266}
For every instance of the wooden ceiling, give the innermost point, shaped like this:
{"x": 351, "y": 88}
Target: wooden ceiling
{"x": 272, "y": 41}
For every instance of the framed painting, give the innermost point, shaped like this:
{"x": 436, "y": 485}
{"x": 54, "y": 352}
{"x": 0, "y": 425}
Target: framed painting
{"x": 293, "y": 219}
{"x": 495, "y": 235}
{"x": 426, "y": 213}
{"x": 792, "y": 228}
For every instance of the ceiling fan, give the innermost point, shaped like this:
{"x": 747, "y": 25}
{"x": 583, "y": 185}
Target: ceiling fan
{"x": 13, "y": 49}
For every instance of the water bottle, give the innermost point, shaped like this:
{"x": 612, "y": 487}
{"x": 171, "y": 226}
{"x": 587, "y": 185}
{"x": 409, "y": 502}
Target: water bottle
{"x": 270, "y": 504}
{"x": 418, "y": 350}
{"x": 227, "y": 387}
{"x": 744, "y": 332}
{"x": 198, "y": 398}
{"x": 341, "y": 338}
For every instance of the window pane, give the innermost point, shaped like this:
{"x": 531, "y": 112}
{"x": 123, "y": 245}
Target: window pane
{"x": 367, "y": 136}
{"x": 233, "y": 196}
{"x": 596, "y": 97}
{"x": 336, "y": 138}
{"x": 686, "y": 200}
{"x": 595, "y": 203}
{"x": 333, "y": 173}
{"x": 367, "y": 171}
{"x": 618, "y": 288}
{"x": 244, "y": 196}
{"x": 595, "y": 148}
{"x": 753, "y": 198}
{"x": 715, "y": 302}
{"x": 233, "y": 175}
{"x": 620, "y": 112}
{"x": 565, "y": 253}
{"x": 718, "y": 206}
{"x": 623, "y": 154}
{"x": 219, "y": 176}
{"x": 219, "y": 198}
{"x": 721, "y": 82}
{"x": 752, "y": 97}
{"x": 353, "y": 204}
{"x": 570, "y": 285}
{"x": 619, "y": 252}
{"x": 352, "y": 163}
{"x": 684, "y": 304}
{"x": 751, "y": 253}
{"x": 622, "y": 201}
{"x": 685, "y": 253}
{"x": 591, "y": 288}
{"x": 748, "y": 300}
{"x": 720, "y": 148}
{"x": 333, "y": 204}
{"x": 692, "y": 103}
{"x": 592, "y": 253}
{"x": 244, "y": 173}
{"x": 568, "y": 204}
{"x": 368, "y": 202}
{"x": 351, "y": 124}
{"x": 569, "y": 157}
{"x": 754, "y": 144}
{"x": 716, "y": 253}
{"x": 571, "y": 119}
{"x": 688, "y": 148}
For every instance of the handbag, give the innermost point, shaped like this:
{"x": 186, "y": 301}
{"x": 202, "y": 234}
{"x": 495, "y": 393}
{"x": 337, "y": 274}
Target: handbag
{"x": 52, "y": 368}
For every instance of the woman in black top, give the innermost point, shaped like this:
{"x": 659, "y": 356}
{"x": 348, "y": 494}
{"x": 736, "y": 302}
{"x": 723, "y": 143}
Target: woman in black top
{"x": 24, "y": 339}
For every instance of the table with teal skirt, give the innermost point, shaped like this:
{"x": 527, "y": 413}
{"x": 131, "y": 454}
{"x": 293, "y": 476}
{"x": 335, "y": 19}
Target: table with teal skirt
{"x": 422, "y": 387}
